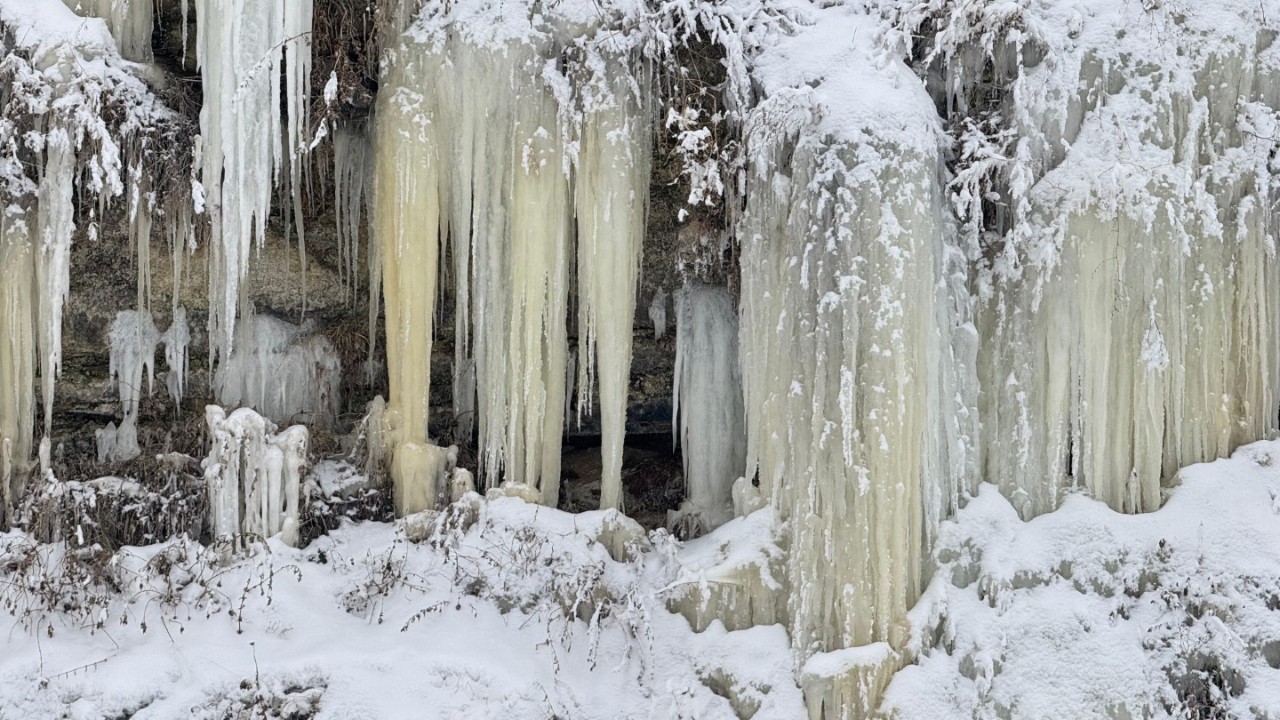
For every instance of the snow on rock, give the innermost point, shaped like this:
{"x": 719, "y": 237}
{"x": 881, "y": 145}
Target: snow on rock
{"x": 1085, "y": 612}
{"x": 734, "y": 577}
{"x": 129, "y": 21}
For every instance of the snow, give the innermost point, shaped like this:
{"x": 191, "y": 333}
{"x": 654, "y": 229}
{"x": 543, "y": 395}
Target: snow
{"x": 1089, "y": 612}
{"x": 507, "y": 610}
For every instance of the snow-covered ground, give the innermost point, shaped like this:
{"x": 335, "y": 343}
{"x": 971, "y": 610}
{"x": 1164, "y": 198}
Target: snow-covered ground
{"x": 1086, "y": 612}
{"x": 523, "y": 614}
{"x": 501, "y": 609}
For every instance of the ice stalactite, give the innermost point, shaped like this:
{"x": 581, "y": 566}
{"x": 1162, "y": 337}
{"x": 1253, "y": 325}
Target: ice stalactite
{"x": 130, "y": 23}
{"x": 846, "y": 331}
{"x": 54, "y": 226}
{"x": 286, "y": 372}
{"x": 709, "y": 421}
{"x": 249, "y": 132}
{"x": 611, "y": 202}
{"x": 476, "y": 145}
{"x": 352, "y": 181}
{"x": 254, "y": 475}
{"x": 17, "y": 353}
{"x": 177, "y": 341}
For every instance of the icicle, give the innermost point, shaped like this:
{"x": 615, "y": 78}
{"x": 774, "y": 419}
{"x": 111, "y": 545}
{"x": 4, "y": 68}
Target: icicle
{"x": 352, "y": 156}
{"x": 658, "y": 313}
{"x": 611, "y": 202}
{"x": 176, "y": 341}
{"x": 54, "y": 227}
{"x": 242, "y": 48}
{"x": 708, "y": 419}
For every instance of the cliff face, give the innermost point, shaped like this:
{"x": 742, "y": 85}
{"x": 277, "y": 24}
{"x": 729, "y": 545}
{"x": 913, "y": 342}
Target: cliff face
{"x": 877, "y": 253}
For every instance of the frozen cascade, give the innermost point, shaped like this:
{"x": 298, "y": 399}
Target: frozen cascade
{"x": 856, "y": 408}
{"x": 473, "y": 163}
{"x": 254, "y": 475}
{"x": 1130, "y": 296}
{"x": 242, "y": 48}
{"x": 708, "y": 422}
{"x": 286, "y": 372}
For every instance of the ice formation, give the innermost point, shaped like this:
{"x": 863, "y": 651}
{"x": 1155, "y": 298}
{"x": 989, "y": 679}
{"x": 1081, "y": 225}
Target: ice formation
{"x": 129, "y": 21}
{"x": 1127, "y": 277}
{"x": 134, "y": 339}
{"x": 249, "y": 132}
{"x": 709, "y": 421}
{"x": 254, "y": 475}
{"x": 83, "y": 118}
{"x": 477, "y": 160}
{"x": 288, "y": 373}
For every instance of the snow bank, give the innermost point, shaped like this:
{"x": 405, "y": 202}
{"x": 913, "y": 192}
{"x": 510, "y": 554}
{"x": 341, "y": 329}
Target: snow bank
{"x": 1088, "y": 612}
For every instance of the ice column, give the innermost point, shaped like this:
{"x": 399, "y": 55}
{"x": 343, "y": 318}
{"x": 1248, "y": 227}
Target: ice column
{"x": 709, "y": 421}
{"x": 254, "y": 475}
{"x": 17, "y": 353}
{"x": 611, "y": 203}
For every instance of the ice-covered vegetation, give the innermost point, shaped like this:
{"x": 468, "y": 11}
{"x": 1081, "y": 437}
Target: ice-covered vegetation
{"x": 921, "y": 245}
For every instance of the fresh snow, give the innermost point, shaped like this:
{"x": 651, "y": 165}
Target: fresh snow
{"x": 506, "y": 610}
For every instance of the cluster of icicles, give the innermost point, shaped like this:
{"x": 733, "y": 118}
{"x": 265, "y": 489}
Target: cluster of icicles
{"x": 844, "y": 390}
